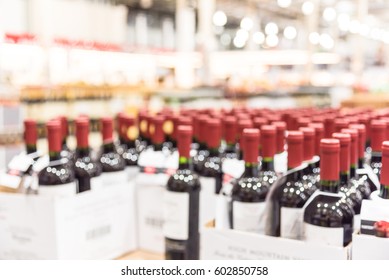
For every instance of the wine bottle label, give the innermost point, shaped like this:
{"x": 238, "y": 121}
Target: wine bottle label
{"x": 292, "y": 220}
{"x": 63, "y": 190}
{"x": 132, "y": 171}
{"x": 234, "y": 168}
{"x": 222, "y": 209}
{"x": 323, "y": 235}
{"x": 357, "y": 223}
{"x": 281, "y": 162}
{"x": 96, "y": 183}
{"x": 207, "y": 200}
{"x": 114, "y": 178}
{"x": 176, "y": 215}
{"x": 249, "y": 216}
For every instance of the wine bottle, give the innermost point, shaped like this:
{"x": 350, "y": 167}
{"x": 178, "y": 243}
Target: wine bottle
{"x": 311, "y": 171}
{"x": 112, "y": 163}
{"x": 87, "y": 171}
{"x": 65, "y": 151}
{"x": 328, "y": 218}
{"x": 384, "y": 190}
{"x": 181, "y": 205}
{"x": 30, "y": 136}
{"x": 378, "y": 132}
{"x": 242, "y": 125}
{"x": 295, "y": 191}
{"x": 268, "y": 148}
{"x": 346, "y": 186}
{"x": 57, "y": 179}
{"x": 202, "y": 152}
{"x": 329, "y": 126}
{"x": 247, "y": 210}
{"x": 130, "y": 135}
{"x": 340, "y": 124}
{"x": 230, "y": 127}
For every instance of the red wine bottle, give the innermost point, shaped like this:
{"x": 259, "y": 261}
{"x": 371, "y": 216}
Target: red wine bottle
{"x": 87, "y": 171}
{"x": 328, "y": 218}
{"x": 346, "y": 186}
{"x": 30, "y": 136}
{"x": 242, "y": 125}
{"x": 319, "y": 134}
{"x": 143, "y": 128}
{"x": 361, "y": 142}
{"x": 249, "y": 192}
{"x": 110, "y": 159}
{"x": 181, "y": 205}
{"x": 329, "y": 126}
{"x": 130, "y": 135}
{"x": 202, "y": 152}
{"x": 295, "y": 191}
{"x": 57, "y": 179}
{"x": 384, "y": 190}
{"x": 156, "y": 133}
{"x": 378, "y": 132}
{"x": 280, "y": 136}
{"x": 231, "y": 129}
{"x": 311, "y": 171}
{"x": 65, "y": 151}
{"x": 268, "y": 148}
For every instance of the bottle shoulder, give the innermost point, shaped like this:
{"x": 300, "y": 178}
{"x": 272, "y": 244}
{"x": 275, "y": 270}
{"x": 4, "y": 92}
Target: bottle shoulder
{"x": 211, "y": 167}
{"x": 294, "y": 194}
{"x": 184, "y": 180}
{"x": 250, "y": 189}
{"x": 131, "y": 156}
{"x": 57, "y": 173}
{"x": 86, "y": 166}
{"x": 111, "y": 162}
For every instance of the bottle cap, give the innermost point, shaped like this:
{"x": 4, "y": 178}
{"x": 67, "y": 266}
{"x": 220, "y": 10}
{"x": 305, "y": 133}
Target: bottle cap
{"x": 259, "y": 122}
{"x": 340, "y": 124}
{"x": 295, "y": 140}
{"x": 309, "y": 142}
{"x": 354, "y": 144}
{"x": 30, "y": 132}
{"x": 64, "y": 126}
{"x": 319, "y": 134}
{"x": 185, "y": 121}
{"x": 303, "y": 122}
{"x": 184, "y": 140}
{"x": 345, "y": 142}
{"x": 214, "y": 134}
{"x": 231, "y": 129}
{"x": 329, "y": 126}
{"x": 385, "y": 164}
{"x": 82, "y": 132}
{"x": 250, "y": 141}
{"x": 361, "y": 138}
{"x": 107, "y": 129}
{"x": 54, "y": 135}
{"x": 329, "y": 159}
{"x": 156, "y": 130}
{"x": 203, "y": 119}
{"x": 281, "y": 128}
{"x": 268, "y": 140}
{"x": 377, "y": 134}
{"x": 131, "y": 131}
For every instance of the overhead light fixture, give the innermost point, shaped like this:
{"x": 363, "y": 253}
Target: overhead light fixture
{"x": 284, "y": 3}
{"x": 271, "y": 29}
{"x": 225, "y": 39}
{"x": 242, "y": 34}
{"x": 354, "y": 26}
{"x": 290, "y": 32}
{"x": 246, "y": 23}
{"x": 314, "y": 38}
{"x": 329, "y": 14}
{"x": 307, "y": 8}
{"x": 364, "y": 30}
{"x": 326, "y": 41}
{"x": 258, "y": 38}
{"x": 219, "y": 18}
{"x": 272, "y": 40}
{"x": 239, "y": 42}
{"x": 343, "y": 22}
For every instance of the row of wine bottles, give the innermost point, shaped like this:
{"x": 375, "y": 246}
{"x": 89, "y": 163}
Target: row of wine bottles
{"x": 332, "y": 158}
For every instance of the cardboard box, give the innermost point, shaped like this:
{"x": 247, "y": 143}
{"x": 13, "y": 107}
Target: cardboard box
{"x": 368, "y": 247}
{"x": 237, "y": 245}
{"x": 91, "y": 225}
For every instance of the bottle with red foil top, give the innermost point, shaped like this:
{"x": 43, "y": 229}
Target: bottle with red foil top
{"x": 87, "y": 170}
{"x": 377, "y": 136}
{"x": 311, "y": 171}
{"x": 361, "y": 142}
{"x": 156, "y": 133}
{"x": 130, "y": 135}
{"x": 328, "y": 218}
{"x": 143, "y": 120}
{"x": 247, "y": 210}
{"x": 65, "y": 151}
{"x": 294, "y": 192}
{"x": 230, "y": 132}
{"x": 268, "y": 148}
{"x": 329, "y": 126}
{"x": 243, "y": 124}
{"x": 202, "y": 152}
{"x": 57, "y": 179}
{"x": 346, "y": 186}
{"x": 110, "y": 159}
{"x": 182, "y": 205}
{"x": 384, "y": 190}
{"x": 280, "y": 158}
{"x": 30, "y": 136}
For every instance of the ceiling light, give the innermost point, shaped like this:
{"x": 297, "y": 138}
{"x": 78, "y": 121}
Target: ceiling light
{"x": 364, "y": 30}
{"x": 329, "y": 14}
{"x": 326, "y": 41}
{"x": 314, "y": 38}
{"x": 219, "y": 18}
{"x": 284, "y": 3}
{"x": 272, "y": 40}
{"x": 271, "y": 28}
{"x": 242, "y": 34}
{"x": 246, "y": 23}
{"x": 258, "y": 38}
{"x": 343, "y": 22}
{"x": 239, "y": 42}
{"x": 290, "y": 32}
{"x": 354, "y": 26}
{"x": 307, "y": 8}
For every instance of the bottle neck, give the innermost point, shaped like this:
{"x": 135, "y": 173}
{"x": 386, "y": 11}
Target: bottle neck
{"x": 54, "y": 155}
{"x": 360, "y": 162}
{"x": 353, "y": 172}
{"x": 158, "y": 147}
{"x": 184, "y": 163}
{"x": 267, "y": 164}
{"x": 130, "y": 144}
{"x": 251, "y": 169}
{"x": 30, "y": 148}
{"x": 213, "y": 152}
{"x": 82, "y": 152}
{"x": 64, "y": 144}
{"x": 329, "y": 186}
{"x": 108, "y": 147}
{"x": 384, "y": 192}
{"x": 230, "y": 148}
{"x": 344, "y": 177}
{"x": 295, "y": 176}
{"x": 376, "y": 157}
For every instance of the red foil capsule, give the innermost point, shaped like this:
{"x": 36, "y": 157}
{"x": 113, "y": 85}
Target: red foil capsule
{"x": 30, "y": 132}
{"x": 295, "y": 148}
{"x": 329, "y": 159}
{"x": 250, "y": 141}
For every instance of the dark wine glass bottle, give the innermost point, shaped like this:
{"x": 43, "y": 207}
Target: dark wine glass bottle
{"x": 311, "y": 172}
{"x": 65, "y": 151}
{"x": 328, "y": 218}
{"x": 130, "y": 136}
{"x": 30, "y": 140}
{"x": 57, "y": 179}
{"x": 202, "y": 152}
{"x": 267, "y": 145}
{"x": 378, "y": 133}
{"x": 181, "y": 205}
{"x": 384, "y": 190}
{"x": 247, "y": 209}
{"x": 230, "y": 129}
{"x": 87, "y": 171}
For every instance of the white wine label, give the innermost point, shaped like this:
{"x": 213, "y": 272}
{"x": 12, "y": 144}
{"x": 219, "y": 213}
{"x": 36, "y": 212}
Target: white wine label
{"x": 207, "y": 200}
{"x": 96, "y": 183}
{"x": 132, "y": 171}
{"x": 357, "y": 223}
{"x": 176, "y": 215}
{"x": 222, "y": 212}
{"x": 249, "y": 216}
{"x": 323, "y": 235}
{"x": 281, "y": 162}
{"x": 114, "y": 178}
{"x": 233, "y": 167}
{"x": 292, "y": 221}
{"x": 63, "y": 190}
